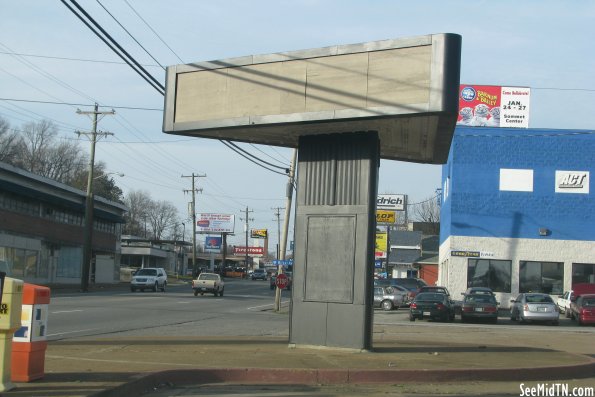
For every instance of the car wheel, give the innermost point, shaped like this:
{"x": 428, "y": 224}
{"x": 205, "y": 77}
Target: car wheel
{"x": 215, "y": 293}
{"x": 202, "y": 294}
{"x": 386, "y": 305}
{"x": 221, "y": 292}
{"x": 555, "y": 323}
{"x": 164, "y": 285}
{"x": 195, "y": 292}
{"x": 132, "y": 289}
{"x": 155, "y": 287}
{"x": 411, "y": 317}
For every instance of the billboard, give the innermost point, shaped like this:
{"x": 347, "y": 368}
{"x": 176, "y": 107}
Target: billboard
{"x": 381, "y": 245}
{"x": 494, "y": 106}
{"x": 259, "y": 233}
{"x": 213, "y": 243}
{"x": 391, "y": 202}
{"x": 383, "y": 217}
{"x": 215, "y": 223}
{"x": 252, "y": 251}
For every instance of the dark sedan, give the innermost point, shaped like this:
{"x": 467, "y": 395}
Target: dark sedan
{"x": 479, "y": 306}
{"x": 432, "y": 305}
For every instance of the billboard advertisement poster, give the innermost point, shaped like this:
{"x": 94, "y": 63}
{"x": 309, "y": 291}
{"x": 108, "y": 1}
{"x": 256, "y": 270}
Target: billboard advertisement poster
{"x": 381, "y": 245}
{"x": 215, "y": 223}
{"x": 494, "y": 106}
{"x": 258, "y": 233}
{"x": 213, "y": 243}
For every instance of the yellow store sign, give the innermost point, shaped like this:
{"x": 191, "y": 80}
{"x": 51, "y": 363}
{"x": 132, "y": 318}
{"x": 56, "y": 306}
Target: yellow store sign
{"x": 385, "y": 217}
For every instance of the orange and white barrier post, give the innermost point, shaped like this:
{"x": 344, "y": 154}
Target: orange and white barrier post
{"x": 29, "y": 342}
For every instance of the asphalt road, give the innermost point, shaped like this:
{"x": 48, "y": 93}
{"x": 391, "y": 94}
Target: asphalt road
{"x": 244, "y": 310}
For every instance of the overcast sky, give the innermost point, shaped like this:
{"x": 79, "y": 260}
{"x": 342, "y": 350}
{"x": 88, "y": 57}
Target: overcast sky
{"x": 544, "y": 45}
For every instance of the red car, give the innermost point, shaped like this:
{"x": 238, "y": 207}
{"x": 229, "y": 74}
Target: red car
{"x": 583, "y": 309}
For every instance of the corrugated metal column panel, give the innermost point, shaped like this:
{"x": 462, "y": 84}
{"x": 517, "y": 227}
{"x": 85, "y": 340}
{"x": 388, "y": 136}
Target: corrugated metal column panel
{"x": 333, "y": 257}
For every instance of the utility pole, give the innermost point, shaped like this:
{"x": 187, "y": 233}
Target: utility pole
{"x": 283, "y": 243}
{"x": 247, "y": 229}
{"x": 89, "y": 199}
{"x": 278, "y": 216}
{"x": 193, "y": 216}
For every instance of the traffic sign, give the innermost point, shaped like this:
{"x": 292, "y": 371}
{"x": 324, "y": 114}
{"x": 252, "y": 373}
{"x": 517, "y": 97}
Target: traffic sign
{"x": 281, "y": 281}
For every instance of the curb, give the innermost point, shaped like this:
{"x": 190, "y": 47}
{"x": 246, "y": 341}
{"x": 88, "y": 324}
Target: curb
{"x": 276, "y": 376}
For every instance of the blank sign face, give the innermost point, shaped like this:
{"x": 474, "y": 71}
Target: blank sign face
{"x": 330, "y": 259}
{"x": 516, "y": 180}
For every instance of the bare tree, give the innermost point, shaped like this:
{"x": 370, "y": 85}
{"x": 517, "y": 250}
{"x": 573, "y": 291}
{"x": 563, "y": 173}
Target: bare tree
{"x": 428, "y": 211}
{"x": 39, "y": 152}
{"x": 138, "y": 203}
{"x": 9, "y": 143}
{"x": 162, "y": 215}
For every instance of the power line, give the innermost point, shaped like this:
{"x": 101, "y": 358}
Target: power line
{"x": 136, "y": 67}
{"x": 129, "y": 34}
{"x": 77, "y": 104}
{"x": 227, "y": 143}
{"x": 73, "y": 59}
{"x": 153, "y": 30}
{"x": 251, "y": 155}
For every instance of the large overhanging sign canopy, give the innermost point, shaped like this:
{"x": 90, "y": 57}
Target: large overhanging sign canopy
{"x": 405, "y": 89}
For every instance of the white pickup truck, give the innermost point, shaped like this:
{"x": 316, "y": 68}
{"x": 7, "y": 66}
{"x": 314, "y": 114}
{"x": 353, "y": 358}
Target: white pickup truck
{"x": 210, "y": 283}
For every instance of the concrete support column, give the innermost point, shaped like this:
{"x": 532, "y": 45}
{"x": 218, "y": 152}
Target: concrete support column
{"x": 334, "y": 240}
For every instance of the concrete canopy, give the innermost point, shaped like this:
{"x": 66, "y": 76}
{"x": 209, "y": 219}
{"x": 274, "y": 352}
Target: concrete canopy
{"x": 405, "y": 89}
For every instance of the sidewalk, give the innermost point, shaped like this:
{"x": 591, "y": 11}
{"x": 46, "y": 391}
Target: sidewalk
{"x": 406, "y": 359}
{"x": 412, "y": 357}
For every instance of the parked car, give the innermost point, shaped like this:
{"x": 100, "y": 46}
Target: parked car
{"x": 389, "y": 298}
{"x": 274, "y": 278}
{"x": 433, "y": 288}
{"x": 149, "y": 278}
{"x": 583, "y": 309}
{"x": 534, "y": 306}
{"x": 258, "y": 274}
{"x": 431, "y": 305}
{"x": 479, "y": 306}
{"x": 566, "y": 299}
{"x": 478, "y": 290}
{"x": 391, "y": 282}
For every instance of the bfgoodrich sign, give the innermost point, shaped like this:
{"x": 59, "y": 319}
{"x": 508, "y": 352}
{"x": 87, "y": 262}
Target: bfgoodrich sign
{"x": 393, "y": 202}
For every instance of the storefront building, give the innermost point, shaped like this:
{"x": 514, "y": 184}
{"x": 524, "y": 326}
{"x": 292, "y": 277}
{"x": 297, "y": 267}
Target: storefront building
{"x": 41, "y": 231}
{"x": 518, "y": 211}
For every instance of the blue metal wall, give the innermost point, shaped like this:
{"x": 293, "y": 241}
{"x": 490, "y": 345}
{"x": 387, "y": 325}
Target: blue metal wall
{"x": 474, "y": 206}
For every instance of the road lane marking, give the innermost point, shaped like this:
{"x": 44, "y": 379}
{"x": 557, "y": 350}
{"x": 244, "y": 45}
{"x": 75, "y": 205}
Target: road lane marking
{"x": 72, "y": 332}
{"x": 66, "y": 311}
{"x": 270, "y": 304}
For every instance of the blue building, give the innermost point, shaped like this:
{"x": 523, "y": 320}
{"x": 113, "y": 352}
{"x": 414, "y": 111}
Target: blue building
{"x": 518, "y": 211}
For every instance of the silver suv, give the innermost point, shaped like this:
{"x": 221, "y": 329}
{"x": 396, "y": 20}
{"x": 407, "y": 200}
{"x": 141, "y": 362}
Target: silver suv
{"x": 149, "y": 278}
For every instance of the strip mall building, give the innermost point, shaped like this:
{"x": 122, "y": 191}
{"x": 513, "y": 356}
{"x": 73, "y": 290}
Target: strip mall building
{"x": 518, "y": 211}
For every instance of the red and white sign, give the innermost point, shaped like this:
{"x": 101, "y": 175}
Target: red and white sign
{"x": 494, "y": 106}
{"x": 282, "y": 281}
{"x": 252, "y": 251}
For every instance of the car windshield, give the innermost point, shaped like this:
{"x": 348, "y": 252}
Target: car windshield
{"x": 538, "y": 299}
{"x": 259, "y": 271}
{"x": 208, "y": 276}
{"x": 146, "y": 272}
{"x": 428, "y": 297}
{"x": 480, "y": 298}
{"x": 433, "y": 289}
{"x": 589, "y": 302}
